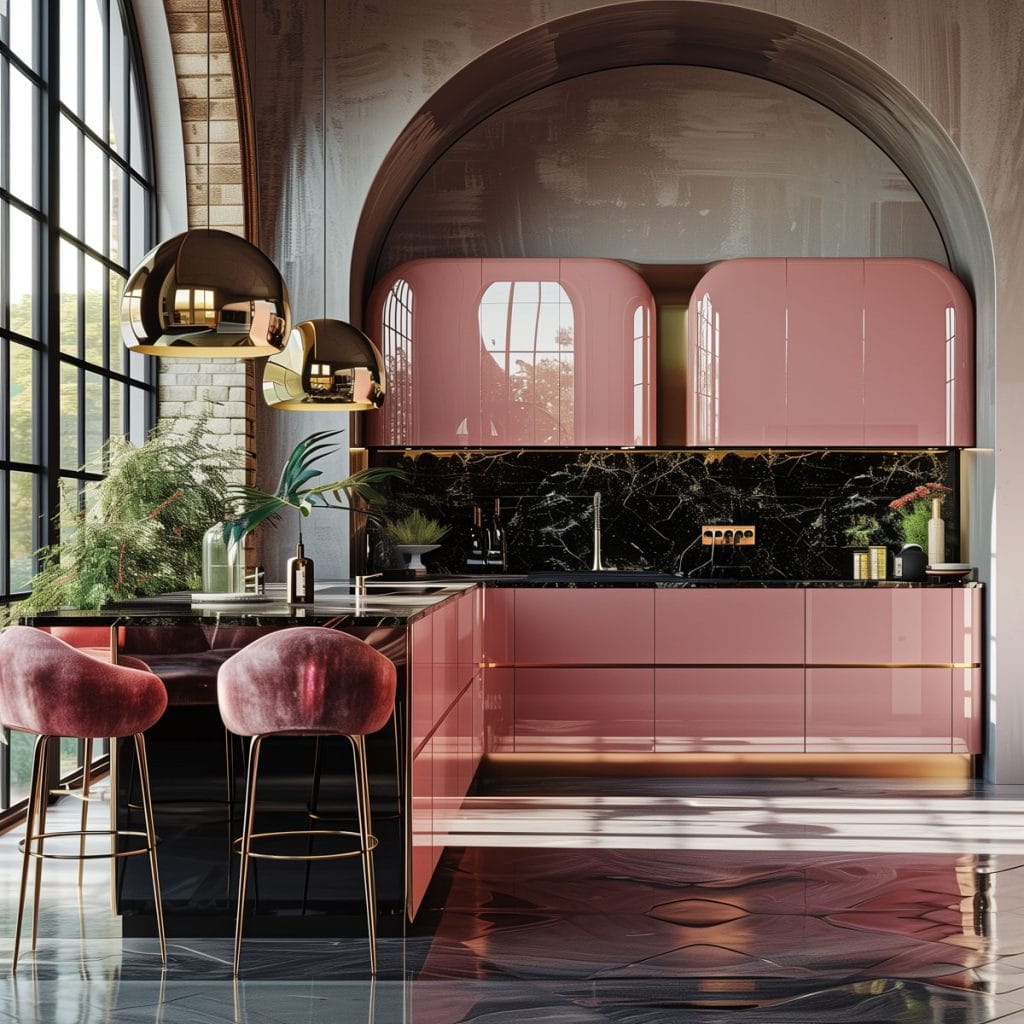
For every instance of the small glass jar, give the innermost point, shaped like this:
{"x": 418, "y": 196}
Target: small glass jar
{"x": 223, "y": 563}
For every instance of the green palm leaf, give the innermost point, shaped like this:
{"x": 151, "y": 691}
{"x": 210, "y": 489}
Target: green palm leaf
{"x": 254, "y": 507}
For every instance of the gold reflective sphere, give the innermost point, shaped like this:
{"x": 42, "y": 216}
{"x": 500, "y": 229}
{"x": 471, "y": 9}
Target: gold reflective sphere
{"x": 205, "y": 294}
{"x": 328, "y": 365}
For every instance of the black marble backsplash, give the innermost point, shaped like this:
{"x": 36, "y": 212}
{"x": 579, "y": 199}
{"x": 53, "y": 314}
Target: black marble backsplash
{"x": 654, "y": 503}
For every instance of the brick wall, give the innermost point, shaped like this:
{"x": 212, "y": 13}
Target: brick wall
{"x": 214, "y": 180}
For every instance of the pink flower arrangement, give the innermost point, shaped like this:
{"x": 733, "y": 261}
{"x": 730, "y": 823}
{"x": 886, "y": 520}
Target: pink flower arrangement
{"x": 921, "y": 491}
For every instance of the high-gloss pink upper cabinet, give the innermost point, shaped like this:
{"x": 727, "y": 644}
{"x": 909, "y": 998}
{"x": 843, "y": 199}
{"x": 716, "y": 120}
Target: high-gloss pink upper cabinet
{"x": 824, "y": 352}
{"x": 514, "y": 352}
{"x": 737, "y": 354}
{"x": 911, "y": 396}
{"x": 422, "y": 316}
{"x": 830, "y": 352}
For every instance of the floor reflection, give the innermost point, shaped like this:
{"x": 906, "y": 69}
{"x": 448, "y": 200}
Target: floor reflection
{"x": 589, "y": 935}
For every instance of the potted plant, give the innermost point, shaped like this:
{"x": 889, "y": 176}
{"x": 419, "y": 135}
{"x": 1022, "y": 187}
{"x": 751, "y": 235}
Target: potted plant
{"x": 414, "y": 536}
{"x": 139, "y": 530}
{"x": 914, "y": 510}
{"x": 861, "y": 531}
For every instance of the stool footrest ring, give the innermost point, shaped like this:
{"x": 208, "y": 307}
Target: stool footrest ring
{"x": 79, "y": 833}
{"x": 371, "y": 844}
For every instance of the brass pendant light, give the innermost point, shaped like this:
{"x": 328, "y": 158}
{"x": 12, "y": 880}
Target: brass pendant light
{"x": 205, "y": 294}
{"x": 327, "y": 365}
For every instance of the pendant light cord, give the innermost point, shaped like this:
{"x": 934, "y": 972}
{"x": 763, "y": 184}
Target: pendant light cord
{"x": 209, "y": 119}
{"x": 323, "y": 118}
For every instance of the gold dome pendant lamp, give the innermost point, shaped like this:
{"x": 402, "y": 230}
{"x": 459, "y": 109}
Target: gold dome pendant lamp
{"x": 205, "y": 294}
{"x": 327, "y": 365}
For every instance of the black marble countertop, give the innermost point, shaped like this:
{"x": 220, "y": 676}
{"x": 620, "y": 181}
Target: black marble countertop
{"x": 401, "y": 602}
{"x": 385, "y": 604}
{"x": 671, "y": 581}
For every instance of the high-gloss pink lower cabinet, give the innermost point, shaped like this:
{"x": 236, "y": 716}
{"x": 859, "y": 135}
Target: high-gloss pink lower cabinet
{"x": 584, "y": 709}
{"x": 732, "y": 710}
{"x": 499, "y": 710}
{"x": 447, "y": 775}
{"x": 421, "y": 680}
{"x": 497, "y": 655}
{"x": 902, "y": 625}
{"x": 889, "y": 710}
{"x": 425, "y": 851}
{"x": 584, "y": 627}
{"x": 446, "y": 657}
{"x": 732, "y": 626}
{"x": 967, "y": 710}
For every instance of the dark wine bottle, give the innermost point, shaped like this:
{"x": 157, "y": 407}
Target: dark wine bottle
{"x": 300, "y": 577}
{"x": 497, "y": 547}
{"x": 476, "y": 560}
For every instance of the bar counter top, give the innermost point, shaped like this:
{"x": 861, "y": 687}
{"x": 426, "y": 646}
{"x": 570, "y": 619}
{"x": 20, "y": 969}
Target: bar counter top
{"x": 337, "y": 603}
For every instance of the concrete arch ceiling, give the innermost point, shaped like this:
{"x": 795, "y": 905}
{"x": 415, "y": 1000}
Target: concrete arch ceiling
{"x": 666, "y": 163}
{"x": 693, "y": 32}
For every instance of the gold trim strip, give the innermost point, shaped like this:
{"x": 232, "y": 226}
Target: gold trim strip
{"x": 735, "y": 665}
{"x": 652, "y": 764}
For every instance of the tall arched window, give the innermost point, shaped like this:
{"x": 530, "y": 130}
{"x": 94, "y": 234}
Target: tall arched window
{"x": 76, "y": 213}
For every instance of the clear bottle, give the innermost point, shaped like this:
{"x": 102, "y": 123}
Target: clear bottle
{"x": 299, "y": 576}
{"x": 223, "y": 563}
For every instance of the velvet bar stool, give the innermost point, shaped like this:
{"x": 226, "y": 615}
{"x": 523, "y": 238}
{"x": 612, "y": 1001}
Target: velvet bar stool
{"x": 53, "y": 690}
{"x": 307, "y": 681}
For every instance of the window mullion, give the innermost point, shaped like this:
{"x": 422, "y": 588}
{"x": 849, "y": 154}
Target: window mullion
{"x": 46, "y": 409}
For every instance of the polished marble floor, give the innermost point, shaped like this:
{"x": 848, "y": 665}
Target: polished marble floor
{"x": 639, "y": 902}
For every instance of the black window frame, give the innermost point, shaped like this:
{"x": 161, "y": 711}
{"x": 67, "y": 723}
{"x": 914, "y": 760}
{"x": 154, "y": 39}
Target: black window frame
{"x": 135, "y": 376}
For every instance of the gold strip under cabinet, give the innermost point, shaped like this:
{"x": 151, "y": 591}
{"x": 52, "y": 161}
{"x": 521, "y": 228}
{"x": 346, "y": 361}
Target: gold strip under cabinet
{"x": 651, "y": 763}
{"x": 739, "y": 664}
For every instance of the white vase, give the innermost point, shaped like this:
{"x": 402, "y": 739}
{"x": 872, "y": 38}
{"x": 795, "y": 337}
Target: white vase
{"x": 936, "y": 534}
{"x": 413, "y": 554}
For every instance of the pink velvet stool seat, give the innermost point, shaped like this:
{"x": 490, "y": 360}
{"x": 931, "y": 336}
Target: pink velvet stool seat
{"x": 308, "y": 681}
{"x": 53, "y": 690}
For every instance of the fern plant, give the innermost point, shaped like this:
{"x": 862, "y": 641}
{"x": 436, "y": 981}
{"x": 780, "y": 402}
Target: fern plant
{"x": 297, "y": 489}
{"x": 415, "y": 528}
{"x": 140, "y": 532}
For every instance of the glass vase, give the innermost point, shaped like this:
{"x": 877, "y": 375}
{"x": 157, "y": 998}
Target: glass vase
{"x": 223, "y": 563}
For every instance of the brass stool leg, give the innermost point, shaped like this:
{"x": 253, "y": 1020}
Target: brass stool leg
{"x": 37, "y": 783}
{"x": 151, "y": 839}
{"x": 365, "y": 833}
{"x": 114, "y": 824}
{"x": 85, "y": 807}
{"x": 248, "y": 816}
{"x": 43, "y": 798}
